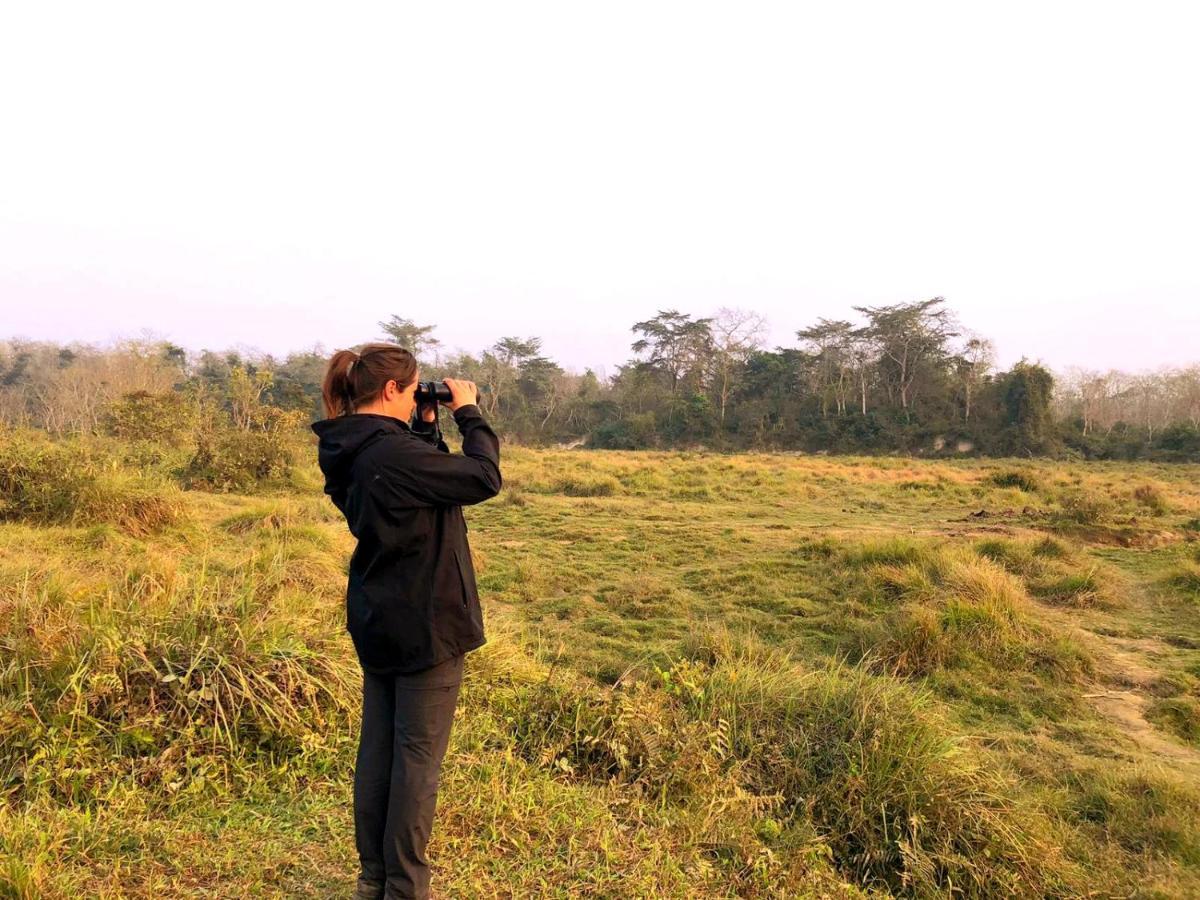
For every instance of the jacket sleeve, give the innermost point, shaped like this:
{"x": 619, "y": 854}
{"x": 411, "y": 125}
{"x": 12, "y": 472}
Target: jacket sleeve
{"x": 418, "y": 474}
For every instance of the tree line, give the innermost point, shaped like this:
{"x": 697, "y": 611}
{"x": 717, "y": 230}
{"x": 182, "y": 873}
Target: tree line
{"x": 905, "y": 378}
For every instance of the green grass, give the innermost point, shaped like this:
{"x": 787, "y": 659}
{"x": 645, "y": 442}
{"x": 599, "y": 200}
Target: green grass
{"x": 706, "y": 675}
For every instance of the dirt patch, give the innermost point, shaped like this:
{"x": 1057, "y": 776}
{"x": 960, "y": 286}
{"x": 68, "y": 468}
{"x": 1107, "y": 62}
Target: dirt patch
{"x": 1127, "y": 684}
{"x": 1123, "y": 662}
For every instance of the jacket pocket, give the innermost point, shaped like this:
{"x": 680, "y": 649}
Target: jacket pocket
{"x": 462, "y": 577}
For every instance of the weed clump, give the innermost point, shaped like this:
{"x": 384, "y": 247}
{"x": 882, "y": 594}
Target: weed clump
{"x": 1080, "y": 507}
{"x": 1021, "y": 479}
{"x": 576, "y": 486}
{"x": 1151, "y": 498}
{"x": 1179, "y": 715}
{"x": 1186, "y": 579}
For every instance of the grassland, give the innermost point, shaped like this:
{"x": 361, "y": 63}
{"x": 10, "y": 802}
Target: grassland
{"x": 707, "y": 675}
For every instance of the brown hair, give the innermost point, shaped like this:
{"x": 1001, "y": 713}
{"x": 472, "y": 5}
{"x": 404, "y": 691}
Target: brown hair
{"x": 352, "y": 379}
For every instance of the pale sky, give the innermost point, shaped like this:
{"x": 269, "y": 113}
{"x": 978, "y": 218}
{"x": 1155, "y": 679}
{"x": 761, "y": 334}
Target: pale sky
{"x": 283, "y": 175}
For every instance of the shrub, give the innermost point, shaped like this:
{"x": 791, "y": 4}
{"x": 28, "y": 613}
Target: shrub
{"x": 142, "y": 416}
{"x": 65, "y": 484}
{"x": 229, "y": 459}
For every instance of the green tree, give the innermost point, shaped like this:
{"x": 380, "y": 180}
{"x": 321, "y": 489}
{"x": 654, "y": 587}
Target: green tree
{"x": 416, "y": 339}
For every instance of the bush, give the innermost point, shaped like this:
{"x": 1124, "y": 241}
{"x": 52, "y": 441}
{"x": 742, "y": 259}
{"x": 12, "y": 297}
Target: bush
{"x": 65, "y": 484}
{"x": 141, "y": 416}
{"x": 229, "y": 459}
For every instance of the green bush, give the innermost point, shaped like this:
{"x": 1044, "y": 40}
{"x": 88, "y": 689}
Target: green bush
{"x": 234, "y": 459}
{"x": 67, "y": 484}
{"x": 168, "y": 417}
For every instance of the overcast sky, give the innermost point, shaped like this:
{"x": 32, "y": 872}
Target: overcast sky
{"x": 282, "y": 176}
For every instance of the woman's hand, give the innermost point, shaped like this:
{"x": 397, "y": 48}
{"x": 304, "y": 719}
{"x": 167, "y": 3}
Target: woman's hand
{"x": 462, "y": 392}
{"x": 428, "y": 411}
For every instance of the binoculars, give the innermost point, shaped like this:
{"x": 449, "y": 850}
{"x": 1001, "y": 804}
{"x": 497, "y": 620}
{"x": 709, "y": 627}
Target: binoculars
{"x": 434, "y": 392}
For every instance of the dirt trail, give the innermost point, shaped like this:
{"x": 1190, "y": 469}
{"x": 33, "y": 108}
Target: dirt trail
{"x": 1126, "y": 688}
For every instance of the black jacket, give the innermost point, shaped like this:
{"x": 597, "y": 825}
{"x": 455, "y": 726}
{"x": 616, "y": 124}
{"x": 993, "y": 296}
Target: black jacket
{"x": 411, "y": 598}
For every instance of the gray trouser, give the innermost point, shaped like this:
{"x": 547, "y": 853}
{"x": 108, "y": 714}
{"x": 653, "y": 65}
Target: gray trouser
{"x": 406, "y": 723}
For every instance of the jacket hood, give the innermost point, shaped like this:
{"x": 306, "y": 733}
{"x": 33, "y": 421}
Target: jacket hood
{"x": 342, "y": 438}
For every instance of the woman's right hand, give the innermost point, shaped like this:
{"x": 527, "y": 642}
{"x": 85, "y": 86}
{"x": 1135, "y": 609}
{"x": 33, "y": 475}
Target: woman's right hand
{"x": 462, "y": 392}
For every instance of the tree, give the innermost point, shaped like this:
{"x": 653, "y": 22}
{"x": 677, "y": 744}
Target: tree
{"x": 736, "y": 334}
{"x": 1026, "y": 392}
{"x": 677, "y": 345}
{"x": 971, "y": 366}
{"x": 416, "y": 339}
{"x": 830, "y": 346}
{"x": 912, "y": 339}
{"x": 500, "y": 368}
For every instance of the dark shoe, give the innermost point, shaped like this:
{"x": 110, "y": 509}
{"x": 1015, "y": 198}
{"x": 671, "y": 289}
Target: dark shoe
{"x": 368, "y": 890}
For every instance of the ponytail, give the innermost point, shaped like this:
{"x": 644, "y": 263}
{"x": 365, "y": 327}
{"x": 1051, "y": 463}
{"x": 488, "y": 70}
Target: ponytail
{"x": 352, "y": 379}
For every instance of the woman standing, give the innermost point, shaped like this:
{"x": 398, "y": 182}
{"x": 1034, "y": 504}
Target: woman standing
{"x": 412, "y": 608}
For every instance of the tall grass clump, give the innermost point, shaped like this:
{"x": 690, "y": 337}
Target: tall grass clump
{"x": 181, "y": 682}
{"x": 1179, "y": 715}
{"x": 52, "y": 483}
{"x": 1185, "y": 578}
{"x": 1053, "y": 572}
{"x": 1147, "y": 811}
{"x": 1077, "y": 506}
{"x": 651, "y": 752}
{"x": 743, "y": 744}
{"x": 943, "y": 607}
{"x": 584, "y": 486}
{"x": 1022, "y": 479}
{"x": 1152, "y": 498}
{"x": 872, "y": 763}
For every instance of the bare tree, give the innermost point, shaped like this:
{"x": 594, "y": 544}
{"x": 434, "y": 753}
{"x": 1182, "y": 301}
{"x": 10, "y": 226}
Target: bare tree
{"x": 975, "y": 361}
{"x": 736, "y": 334}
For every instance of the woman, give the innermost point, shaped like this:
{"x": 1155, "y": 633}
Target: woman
{"x": 412, "y": 608}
